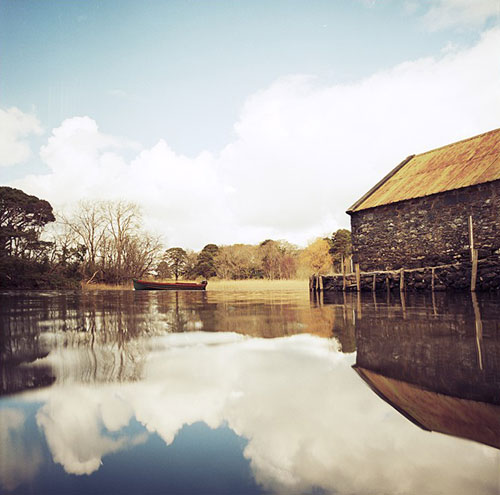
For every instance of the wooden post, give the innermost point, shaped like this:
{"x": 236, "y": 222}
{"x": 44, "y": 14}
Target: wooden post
{"x": 479, "y": 329}
{"x": 471, "y": 235}
{"x": 358, "y": 277}
{"x": 402, "y": 280}
{"x": 344, "y": 307}
{"x": 403, "y": 304}
{"x": 432, "y": 280}
{"x": 473, "y": 255}
{"x": 473, "y": 278}
{"x": 374, "y": 283}
{"x": 343, "y": 273}
{"x": 387, "y": 285}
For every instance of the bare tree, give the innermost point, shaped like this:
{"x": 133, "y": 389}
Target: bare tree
{"x": 122, "y": 221}
{"x": 88, "y": 225}
{"x": 115, "y": 245}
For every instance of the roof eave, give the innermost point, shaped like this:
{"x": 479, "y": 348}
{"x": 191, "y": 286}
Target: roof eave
{"x": 352, "y": 209}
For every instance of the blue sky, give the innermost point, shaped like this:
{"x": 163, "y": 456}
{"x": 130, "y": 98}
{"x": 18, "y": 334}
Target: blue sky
{"x": 193, "y": 74}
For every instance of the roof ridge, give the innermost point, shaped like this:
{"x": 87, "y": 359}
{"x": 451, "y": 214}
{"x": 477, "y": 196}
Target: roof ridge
{"x": 459, "y": 142}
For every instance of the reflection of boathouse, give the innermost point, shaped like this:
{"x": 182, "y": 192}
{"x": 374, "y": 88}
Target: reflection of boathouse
{"x": 438, "y": 365}
{"x": 434, "y": 209}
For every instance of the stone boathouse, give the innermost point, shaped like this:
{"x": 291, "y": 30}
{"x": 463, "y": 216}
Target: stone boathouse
{"x": 429, "y": 217}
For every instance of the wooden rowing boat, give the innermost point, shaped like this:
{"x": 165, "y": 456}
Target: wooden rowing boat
{"x": 150, "y": 285}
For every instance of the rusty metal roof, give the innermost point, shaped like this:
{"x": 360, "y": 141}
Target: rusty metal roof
{"x": 466, "y": 163}
{"x": 432, "y": 411}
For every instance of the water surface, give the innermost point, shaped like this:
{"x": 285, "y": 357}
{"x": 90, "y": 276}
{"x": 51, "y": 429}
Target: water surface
{"x": 249, "y": 392}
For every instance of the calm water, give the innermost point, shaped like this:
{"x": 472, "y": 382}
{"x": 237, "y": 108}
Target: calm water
{"x": 246, "y": 392}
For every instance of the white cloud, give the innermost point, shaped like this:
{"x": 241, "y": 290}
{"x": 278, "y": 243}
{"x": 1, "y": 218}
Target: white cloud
{"x": 15, "y": 127}
{"x": 80, "y": 445}
{"x": 303, "y": 151}
{"x": 19, "y": 459}
{"x": 309, "y": 419}
{"x": 462, "y": 13}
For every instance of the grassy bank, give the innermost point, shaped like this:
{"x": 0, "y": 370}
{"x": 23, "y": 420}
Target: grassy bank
{"x": 257, "y": 284}
{"x": 223, "y": 285}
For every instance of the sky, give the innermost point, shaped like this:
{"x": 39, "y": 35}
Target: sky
{"x": 237, "y": 120}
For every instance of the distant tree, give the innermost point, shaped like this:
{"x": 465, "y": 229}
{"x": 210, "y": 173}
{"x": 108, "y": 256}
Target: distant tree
{"x": 22, "y": 218}
{"x": 340, "y": 247}
{"x": 278, "y": 259}
{"x": 122, "y": 222}
{"x": 88, "y": 226}
{"x": 317, "y": 257}
{"x": 163, "y": 270}
{"x": 27, "y": 261}
{"x": 190, "y": 268}
{"x": 116, "y": 247}
{"x": 176, "y": 259}
{"x": 270, "y": 258}
{"x": 205, "y": 263}
{"x": 239, "y": 261}
{"x": 289, "y": 258}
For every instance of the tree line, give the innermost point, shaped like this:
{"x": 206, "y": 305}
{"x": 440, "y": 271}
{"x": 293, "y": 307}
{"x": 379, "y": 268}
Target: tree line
{"x": 104, "y": 241}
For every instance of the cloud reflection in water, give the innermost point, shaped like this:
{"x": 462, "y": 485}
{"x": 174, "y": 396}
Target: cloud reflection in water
{"x": 308, "y": 418}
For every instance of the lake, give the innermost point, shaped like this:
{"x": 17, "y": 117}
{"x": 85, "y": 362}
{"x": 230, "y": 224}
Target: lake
{"x": 247, "y": 392}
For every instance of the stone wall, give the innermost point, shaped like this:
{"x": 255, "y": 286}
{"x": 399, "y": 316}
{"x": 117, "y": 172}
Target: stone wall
{"x": 456, "y": 277}
{"x": 428, "y": 231}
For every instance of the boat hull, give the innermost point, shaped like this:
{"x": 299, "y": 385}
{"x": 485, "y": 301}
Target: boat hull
{"x": 148, "y": 285}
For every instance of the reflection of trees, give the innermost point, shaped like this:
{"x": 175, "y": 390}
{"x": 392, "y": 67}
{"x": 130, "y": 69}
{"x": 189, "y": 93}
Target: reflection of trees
{"x": 106, "y": 336}
{"x": 20, "y": 343}
{"x": 98, "y": 336}
{"x": 344, "y": 317}
{"x": 267, "y": 314}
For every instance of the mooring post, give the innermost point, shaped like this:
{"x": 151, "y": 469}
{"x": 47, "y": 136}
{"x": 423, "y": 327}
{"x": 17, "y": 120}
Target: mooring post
{"x": 473, "y": 255}
{"x": 471, "y": 235}
{"x": 479, "y": 329}
{"x": 358, "y": 306}
{"x": 358, "y": 277}
{"x": 403, "y": 304}
{"x": 432, "y": 279}
{"x": 473, "y": 277}
{"x": 374, "y": 283}
{"x": 402, "y": 280}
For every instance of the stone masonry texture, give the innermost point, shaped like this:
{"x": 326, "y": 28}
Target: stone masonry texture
{"x": 428, "y": 231}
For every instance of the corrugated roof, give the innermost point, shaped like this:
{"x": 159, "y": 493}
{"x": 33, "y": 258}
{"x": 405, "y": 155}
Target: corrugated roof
{"x": 466, "y": 163}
